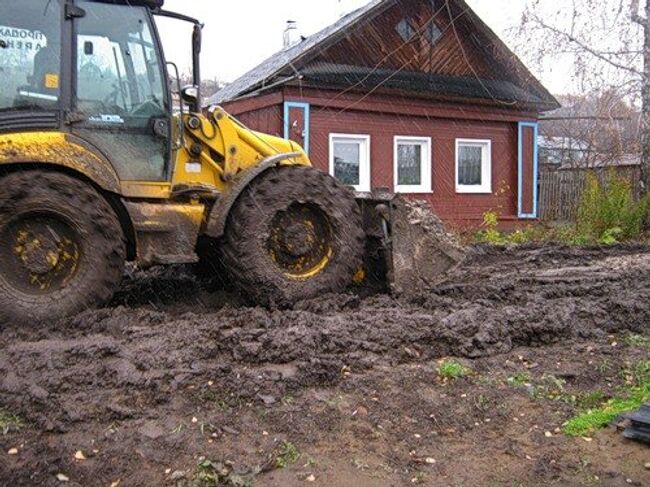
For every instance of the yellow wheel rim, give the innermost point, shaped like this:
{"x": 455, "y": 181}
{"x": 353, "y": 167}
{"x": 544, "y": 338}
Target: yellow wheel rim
{"x": 39, "y": 253}
{"x": 301, "y": 241}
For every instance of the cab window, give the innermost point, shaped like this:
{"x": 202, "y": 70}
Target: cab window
{"x": 30, "y": 54}
{"x": 119, "y": 89}
{"x": 118, "y": 70}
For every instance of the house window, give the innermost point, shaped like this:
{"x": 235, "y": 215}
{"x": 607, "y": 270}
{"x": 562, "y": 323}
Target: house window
{"x": 412, "y": 164}
{"x": 473, "y": 166}
{"x": 405, "y": 30}
{"x": 350, "y": 160}
{"x": 432, "y": 33}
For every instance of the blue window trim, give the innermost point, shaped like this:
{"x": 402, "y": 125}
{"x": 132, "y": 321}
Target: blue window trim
{"x": 520, "y": 166}
{"x": 288, "y": 105}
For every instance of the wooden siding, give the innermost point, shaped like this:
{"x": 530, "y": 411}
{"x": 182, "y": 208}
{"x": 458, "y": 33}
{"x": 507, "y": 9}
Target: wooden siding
{"x": 404, "y": 105}
{"x": 374, "y": 43}
{"x": 269, "y": 120}
{"x": 457, "y": 209}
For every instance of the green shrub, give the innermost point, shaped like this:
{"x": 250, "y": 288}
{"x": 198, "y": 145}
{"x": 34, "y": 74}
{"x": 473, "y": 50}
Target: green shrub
{"x": 609, "y": 213}
{"x": 490, "y": 234}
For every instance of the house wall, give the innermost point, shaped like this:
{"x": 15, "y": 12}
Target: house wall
{"x": 443, "y": 124}
{"x": 455, "y": 209}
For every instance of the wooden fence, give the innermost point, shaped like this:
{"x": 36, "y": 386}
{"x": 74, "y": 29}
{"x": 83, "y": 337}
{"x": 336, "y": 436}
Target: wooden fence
{"x": 560, "y": 191}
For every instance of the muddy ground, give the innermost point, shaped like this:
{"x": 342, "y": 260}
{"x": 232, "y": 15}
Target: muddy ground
{"x": 341, "y": 390}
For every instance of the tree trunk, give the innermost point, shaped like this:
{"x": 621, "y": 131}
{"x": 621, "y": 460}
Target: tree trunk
{"x": 645, "y": 99}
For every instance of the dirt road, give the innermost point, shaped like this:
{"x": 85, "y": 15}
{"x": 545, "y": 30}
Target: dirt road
{"x": 341, "y": 390}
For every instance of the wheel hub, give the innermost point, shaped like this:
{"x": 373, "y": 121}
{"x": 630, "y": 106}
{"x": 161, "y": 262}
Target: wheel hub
{"x": 296, "y": 239}
{"x": 300, "y": 241}
{"x": 38, "y": 253}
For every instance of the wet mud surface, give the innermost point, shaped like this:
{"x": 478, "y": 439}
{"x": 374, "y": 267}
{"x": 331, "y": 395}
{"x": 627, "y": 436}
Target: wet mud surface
{"x": 170, "y": 373}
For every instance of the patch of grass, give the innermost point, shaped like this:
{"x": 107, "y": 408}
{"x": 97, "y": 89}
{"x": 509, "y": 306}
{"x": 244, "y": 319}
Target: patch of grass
{"x": 595, "y": 419}
{"x": 638, "y": 341}
{"x": 549, "y": 387}
{"x": 450, "y": 369}
{"x": 419, "y": 478}
{"x": 218, "y": 474}
{"x": 519, "y": 379}
{"x": 641, "y": 373}
{"x": 216, "y": 399}
{"x": 589, "y": 400}
{"x": 10, "y": 423}
{"x": 600, "y": 416}
{"x": 605, "y": 366}
{"x": 286, "y": 455}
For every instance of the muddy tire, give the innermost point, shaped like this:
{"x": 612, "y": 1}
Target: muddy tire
{"x": 295, "y": 233}
{"x": 61, "y": 247}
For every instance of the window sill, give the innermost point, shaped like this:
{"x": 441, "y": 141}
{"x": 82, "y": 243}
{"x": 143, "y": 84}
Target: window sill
{"x": 473, "y": 190}
{"x": 413, "y": 190}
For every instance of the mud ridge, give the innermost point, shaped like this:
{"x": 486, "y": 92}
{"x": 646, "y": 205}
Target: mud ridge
{"x": 109, "y": 363}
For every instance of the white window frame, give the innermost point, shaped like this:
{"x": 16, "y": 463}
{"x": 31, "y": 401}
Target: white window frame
{"x": 425, "y": 165}
{"x": 486, "y": 167}
{"x": 364, "y": 158}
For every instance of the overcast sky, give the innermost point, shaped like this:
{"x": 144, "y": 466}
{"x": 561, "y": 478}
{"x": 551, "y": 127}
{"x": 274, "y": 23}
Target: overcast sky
{"x": 239, "y": 35}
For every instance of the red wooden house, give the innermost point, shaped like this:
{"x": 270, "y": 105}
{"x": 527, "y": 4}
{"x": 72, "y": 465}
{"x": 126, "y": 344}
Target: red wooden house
{"x": 414, "y": 96}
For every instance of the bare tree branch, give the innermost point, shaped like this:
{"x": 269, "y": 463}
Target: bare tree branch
{"x": 584, "y": 47}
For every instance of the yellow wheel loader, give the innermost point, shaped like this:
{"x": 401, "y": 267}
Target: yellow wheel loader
{"x": 97, "y": 168}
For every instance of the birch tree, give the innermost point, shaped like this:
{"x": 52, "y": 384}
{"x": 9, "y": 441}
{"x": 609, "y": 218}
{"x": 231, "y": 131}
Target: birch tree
{"x": 608, "y": 44}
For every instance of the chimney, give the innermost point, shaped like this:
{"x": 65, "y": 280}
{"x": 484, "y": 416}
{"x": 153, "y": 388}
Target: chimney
{"x": 291, "y": 35}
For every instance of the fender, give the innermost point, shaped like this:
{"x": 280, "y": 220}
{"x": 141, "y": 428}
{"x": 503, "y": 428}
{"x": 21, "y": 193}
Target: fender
{"x": 220, "y": 211}
{"x": 59, "y": 149}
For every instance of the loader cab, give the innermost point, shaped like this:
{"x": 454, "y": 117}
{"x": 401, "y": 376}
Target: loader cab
{"x": 93, "y": 68}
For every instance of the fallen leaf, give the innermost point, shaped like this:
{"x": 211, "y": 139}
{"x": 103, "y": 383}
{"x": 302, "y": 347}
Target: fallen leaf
{"x": 62, "y": 478}
{"x": 430, "y": 460}
{"x": 548, "y": 434}
{"x": 311, "y": 478}
{"x": 116, "y": 483}
{"x": 79, "y": 455}
{"x": 13, "y": 451}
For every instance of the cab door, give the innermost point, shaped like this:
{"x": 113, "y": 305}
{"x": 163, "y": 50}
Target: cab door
{"x": 120, "y": 101}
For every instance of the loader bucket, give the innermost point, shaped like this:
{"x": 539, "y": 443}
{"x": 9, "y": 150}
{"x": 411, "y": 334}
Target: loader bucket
{"x": 408, "y": 246}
